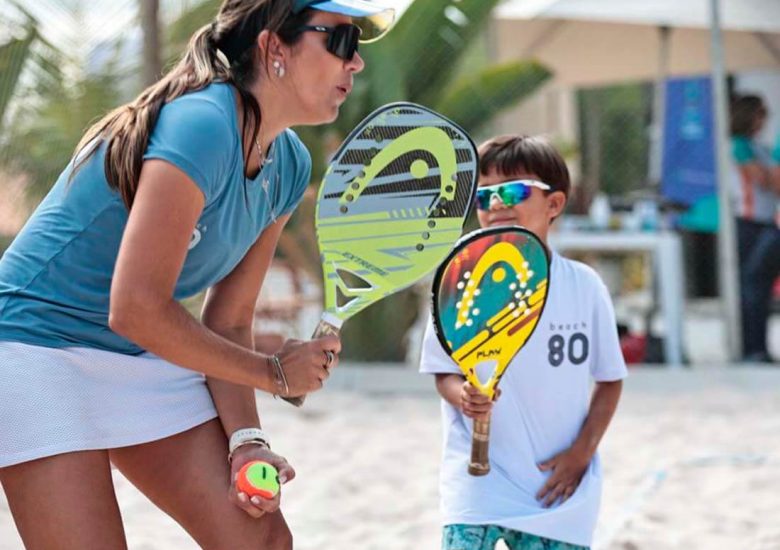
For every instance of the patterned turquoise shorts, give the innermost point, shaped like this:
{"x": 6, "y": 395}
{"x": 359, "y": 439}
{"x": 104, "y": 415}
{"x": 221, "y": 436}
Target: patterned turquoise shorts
{"x": 485, "y": 537}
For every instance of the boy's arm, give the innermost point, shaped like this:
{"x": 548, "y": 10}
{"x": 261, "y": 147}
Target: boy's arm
{"x": 569, "y": 466}
{"x": 448, "y": 385}
{"x": 463, "y": 396}
{"x": 602, "y": 408}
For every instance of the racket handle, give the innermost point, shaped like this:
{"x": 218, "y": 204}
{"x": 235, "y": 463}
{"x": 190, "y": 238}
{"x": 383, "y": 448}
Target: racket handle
{"x": 297, "y": 401}
{"x": 328, "y": 326}
{"x": 480, "y": 441}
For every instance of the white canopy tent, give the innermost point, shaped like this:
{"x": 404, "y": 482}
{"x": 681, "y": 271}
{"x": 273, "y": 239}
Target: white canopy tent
{"x": 598, "y": 42}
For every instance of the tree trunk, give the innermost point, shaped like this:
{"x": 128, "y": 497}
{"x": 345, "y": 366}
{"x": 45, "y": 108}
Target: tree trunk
{"x": 152, "y": 58}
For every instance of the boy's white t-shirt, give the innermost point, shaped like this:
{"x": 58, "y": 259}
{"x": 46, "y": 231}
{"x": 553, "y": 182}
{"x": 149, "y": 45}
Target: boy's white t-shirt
{"x": 544, "y": 402}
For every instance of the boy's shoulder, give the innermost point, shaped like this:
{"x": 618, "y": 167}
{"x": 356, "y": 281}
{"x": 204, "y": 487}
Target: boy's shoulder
{"x": 565, "y": 270}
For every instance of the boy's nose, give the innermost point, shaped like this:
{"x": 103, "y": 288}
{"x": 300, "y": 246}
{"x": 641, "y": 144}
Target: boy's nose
{"x": 496, "y": 203}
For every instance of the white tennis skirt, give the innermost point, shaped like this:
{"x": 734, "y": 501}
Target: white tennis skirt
{"x": 55, "y": 401}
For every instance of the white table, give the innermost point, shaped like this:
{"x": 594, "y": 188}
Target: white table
{"x": 666, "y": 250}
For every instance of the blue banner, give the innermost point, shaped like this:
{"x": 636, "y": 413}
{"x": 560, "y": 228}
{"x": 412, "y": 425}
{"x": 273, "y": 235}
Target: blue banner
{"x": 688, "y": 172}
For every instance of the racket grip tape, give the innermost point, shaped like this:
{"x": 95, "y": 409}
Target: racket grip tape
{"x": 324, "y": 328}
{"x": 480, "y": 442}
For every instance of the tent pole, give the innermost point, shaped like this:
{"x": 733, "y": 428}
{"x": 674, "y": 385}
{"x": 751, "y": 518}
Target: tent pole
{"x": 659, "y": 110}
{"x": 727, "y": 246}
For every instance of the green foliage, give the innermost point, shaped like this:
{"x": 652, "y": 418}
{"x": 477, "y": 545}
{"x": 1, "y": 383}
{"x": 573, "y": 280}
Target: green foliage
{"x": 616, "y": 117}
{"x": 50, "y": 111}
{"x": 475, "y": 100}
{"x": 43, "y": 134}
{"x": 13, "y": 55}
{"x": 436, "y": 34}
{"x": 180, "y": 31}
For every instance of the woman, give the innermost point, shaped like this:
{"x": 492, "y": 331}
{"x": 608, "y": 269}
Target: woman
{"x": 757, "y": 194}
{"x": 186, "y": 188}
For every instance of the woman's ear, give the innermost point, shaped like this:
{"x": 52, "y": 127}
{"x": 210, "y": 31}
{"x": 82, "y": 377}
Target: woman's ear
{"x": 272, "y": 52}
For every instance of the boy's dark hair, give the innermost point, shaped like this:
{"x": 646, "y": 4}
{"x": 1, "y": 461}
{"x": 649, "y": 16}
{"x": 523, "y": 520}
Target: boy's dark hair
{"x": 515, "y": 154}
{"x": 744, "y": 111}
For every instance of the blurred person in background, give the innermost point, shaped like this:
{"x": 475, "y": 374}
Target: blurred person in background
{"x": 756, "y": 191}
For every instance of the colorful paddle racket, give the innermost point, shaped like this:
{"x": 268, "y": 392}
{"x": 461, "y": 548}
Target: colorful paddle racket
{"x": 488, "y": 296}
{"x": 392, "y": 203}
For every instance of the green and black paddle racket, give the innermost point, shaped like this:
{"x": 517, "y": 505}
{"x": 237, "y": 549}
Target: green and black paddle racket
{"x": 392, "y": 203}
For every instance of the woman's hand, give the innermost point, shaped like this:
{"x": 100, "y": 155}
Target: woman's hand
{"x": 307, "y": 365}
{"x": 257, "y": 506}
{"x": 474, "y": 403}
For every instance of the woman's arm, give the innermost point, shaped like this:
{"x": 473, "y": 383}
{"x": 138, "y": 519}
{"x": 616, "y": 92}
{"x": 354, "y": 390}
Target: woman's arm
{"x": 229, "y": 311}
{"x": 154, "y": 246}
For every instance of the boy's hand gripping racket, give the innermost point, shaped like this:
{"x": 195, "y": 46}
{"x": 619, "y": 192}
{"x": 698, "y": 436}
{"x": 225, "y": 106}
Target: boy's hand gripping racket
{"x": 392, "y": 203}
{"x": 488, "y": 296}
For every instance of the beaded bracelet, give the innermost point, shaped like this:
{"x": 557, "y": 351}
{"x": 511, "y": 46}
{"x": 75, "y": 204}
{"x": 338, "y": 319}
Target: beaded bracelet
{"x": 259, "y": 442}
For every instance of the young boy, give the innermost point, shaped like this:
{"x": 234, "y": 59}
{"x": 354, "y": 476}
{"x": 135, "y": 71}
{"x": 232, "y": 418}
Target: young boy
{"x": 544, "y": 486}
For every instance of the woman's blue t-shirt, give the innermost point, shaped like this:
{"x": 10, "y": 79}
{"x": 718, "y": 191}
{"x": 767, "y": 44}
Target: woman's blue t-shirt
{"x": 55, "y": 279}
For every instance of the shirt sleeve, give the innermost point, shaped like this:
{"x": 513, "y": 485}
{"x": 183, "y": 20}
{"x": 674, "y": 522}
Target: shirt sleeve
{"x": 742, "y": 151}
{"x": 608, "y": 363}
{"x": 300, "y": 175}
{"x": 433, "y": 359}
{"x": 195, "y": 135}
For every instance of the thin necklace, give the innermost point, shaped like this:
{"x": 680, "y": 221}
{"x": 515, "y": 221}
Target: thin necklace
{"x": 266, "y": 184}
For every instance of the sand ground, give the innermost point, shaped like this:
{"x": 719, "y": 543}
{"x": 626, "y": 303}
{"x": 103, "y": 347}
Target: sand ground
{"x": 692, "y": 461}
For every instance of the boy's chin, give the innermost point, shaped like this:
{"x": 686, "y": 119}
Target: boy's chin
{"x": 504, "y": 223}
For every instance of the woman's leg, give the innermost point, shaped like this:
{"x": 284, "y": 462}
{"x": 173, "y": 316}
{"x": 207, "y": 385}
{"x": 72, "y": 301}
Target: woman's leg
{"x": 187, "y": 476}
{"x": 65, "y": 502}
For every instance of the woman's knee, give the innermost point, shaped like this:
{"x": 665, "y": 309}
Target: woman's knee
{"x": 276, "y": 534}
{"x": 281, "y": 538}
{"x": 267, "y": 533}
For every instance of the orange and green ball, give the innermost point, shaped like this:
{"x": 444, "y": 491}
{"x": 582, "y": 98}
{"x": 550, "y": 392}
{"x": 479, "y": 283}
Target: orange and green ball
{"x": 258, "y": 478}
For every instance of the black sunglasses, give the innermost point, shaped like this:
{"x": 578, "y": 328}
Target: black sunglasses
{"x": 342, "y": 39}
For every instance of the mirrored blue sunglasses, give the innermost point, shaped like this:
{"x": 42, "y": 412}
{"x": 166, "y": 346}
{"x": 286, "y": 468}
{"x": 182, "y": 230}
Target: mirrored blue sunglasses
{"x": 510, "y": 192}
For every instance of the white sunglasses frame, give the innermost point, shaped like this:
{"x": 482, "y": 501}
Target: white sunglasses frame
{"x": 528, "y": 183}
